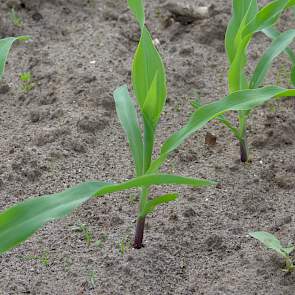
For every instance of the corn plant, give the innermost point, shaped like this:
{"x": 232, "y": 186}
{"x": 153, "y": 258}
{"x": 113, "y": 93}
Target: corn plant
{"x": 20, "y": 221}
{"x": 247, "y": 20}
{"x": 271, "y": 242}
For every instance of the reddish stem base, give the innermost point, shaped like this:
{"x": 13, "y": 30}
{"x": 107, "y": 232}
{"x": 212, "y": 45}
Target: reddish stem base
{"x": 139, "y": 231}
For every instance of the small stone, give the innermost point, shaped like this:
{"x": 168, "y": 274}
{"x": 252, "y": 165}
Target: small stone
{"x": 78, "y": 147}
{"x": 37, "y": 16}
{"x": 92, "y": 125}
{"x": 4, "y": 88}
{"x": 186, "y": 12}
{"x": 210, "y": 139}
{"x": 190, "y": 212}
{"x": 35, "y": 116}
{"x": 285, "y": 181}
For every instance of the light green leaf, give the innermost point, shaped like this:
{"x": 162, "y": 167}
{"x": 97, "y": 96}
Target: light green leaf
{"x": 269, "y": 240}
{"x": 149, "y": 78}
{"x": 237, "y": 101}
{"x": 266, "y": 17}
{"x": 5, "y": 45}
{"x": 277, "y": 47}
{"x": 137, "y": 7}
{"x": 154, "y": 179}
{"x": 19, "y": 222}
{"x": 242, "y": 11}
{"x": 128, "y": 118}
{"x": 150, "y": 205}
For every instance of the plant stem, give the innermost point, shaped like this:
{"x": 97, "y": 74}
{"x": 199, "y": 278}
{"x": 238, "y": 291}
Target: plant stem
{"x": 244, "y": 151}
{"x": 139, "y": 231}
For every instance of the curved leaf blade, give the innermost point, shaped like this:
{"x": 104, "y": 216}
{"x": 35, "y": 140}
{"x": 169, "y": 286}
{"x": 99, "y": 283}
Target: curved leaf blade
{"x": 148, "y": 71}
{"x": 268, "y": 240}
{"x": 128, "y": 118}
{"x": 276, "y": 48}
{"x": 151, "y": 205}
{"x": 5, "y": 45}
{"x": 19, "y": 222}
{"x": 266, "y": 17}
{"x": 237, "y": 101}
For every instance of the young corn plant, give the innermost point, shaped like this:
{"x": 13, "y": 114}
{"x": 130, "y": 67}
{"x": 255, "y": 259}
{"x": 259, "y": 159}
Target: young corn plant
{"x": 20, "y": 221}
{"x": 271, "y": 242}
{"x": 247, "y": 20}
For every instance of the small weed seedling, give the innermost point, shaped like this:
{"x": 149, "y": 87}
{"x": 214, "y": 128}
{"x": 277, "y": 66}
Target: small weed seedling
{"x": 43, "y": 258}
{"x": 15, "y": 18}
{"x": 20, "y": 221}
{"x": 246, "y": 93}
{"x": 271, "y": 242}
{"x": 26, "y": 78}
{"x": 87, "y": 235}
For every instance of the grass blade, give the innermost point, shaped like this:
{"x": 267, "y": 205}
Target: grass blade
{"x": 128, "y": 118}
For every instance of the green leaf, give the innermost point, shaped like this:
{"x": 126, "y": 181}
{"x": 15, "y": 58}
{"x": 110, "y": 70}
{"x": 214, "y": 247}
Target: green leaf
{"x": 154, "y": 179}
{"x": 19, "y": 222}
{"x": 272, "y": 33}
{"x": 137, "y": 8}
{"x": 269, "y": 240}
{"x": 149, "y": 78}
{"x": 128, "y": 118}
{"x": 150, "y": 205}
{"x": 266, "y": 17}
{"x": 242, "y": 11}
{"x": 237, "y": 101}
{"x": 277, "y": 47}
{"x": 5, "y": 45}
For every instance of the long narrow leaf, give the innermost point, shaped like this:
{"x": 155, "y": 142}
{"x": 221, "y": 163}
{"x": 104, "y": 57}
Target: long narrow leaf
{"x": 266, "y": 17}
{"x": 154, "y": 179}
{"x": 277, "y": 47}
{"x": 240, "y": 9}
{"x": 19, "y": 222}
{"x": 128, "y": 118}
{"x": 237, "y": 101}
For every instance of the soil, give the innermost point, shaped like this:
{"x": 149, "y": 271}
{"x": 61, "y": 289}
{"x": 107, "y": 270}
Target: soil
{"x": 65, "y": 131}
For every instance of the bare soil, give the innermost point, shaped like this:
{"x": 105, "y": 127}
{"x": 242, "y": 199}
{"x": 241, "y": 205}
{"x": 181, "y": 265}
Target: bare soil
{"x": 65, "y": 131}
